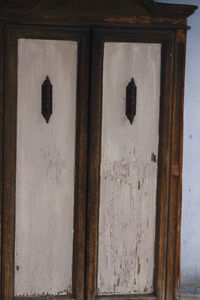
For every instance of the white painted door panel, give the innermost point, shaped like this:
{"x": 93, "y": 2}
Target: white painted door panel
{"x": 45, "y": 168}
{"x": 128, "y": 170}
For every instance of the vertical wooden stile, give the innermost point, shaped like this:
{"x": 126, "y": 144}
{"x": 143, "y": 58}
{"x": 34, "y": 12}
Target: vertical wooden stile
{"x": 174, "y": 222}
{"x": 1, "y": 152}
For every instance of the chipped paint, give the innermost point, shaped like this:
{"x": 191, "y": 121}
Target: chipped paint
{"x": 138, "y": 185}
{"x": 121, "y": 169}
{"x": 153, "y": 157}
{"x": 17, "y": 268}
{"x": 128, "y": 174}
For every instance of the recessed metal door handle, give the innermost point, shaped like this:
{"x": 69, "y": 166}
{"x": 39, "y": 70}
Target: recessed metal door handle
{"x": 47, "y": 99}
{"x": 131, "y": 94}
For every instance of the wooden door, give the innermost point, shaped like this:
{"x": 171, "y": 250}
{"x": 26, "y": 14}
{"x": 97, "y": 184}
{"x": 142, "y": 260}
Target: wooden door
{"x": 129, "y": 165}
{"x": 46, "y": 104}
{"x": 88, "y": 214}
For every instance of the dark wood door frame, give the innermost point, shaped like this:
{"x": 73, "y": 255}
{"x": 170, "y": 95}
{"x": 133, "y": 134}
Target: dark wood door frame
{"x": 163, "y": 23}
{"x": 162, "y": 254}
{"x": 82, "y": 36}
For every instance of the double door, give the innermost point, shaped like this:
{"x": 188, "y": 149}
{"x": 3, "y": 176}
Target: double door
{"x": 88, "y": 117}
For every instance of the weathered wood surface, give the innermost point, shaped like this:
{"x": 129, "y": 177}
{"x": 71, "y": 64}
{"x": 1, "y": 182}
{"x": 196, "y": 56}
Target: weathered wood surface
{"x": 127, "y": 36}
{"x": 146, "y": 13}
{"x": 17, "y": 14}
{"x": 133, "y": 7}
{"x": 128, "y": 170}
{"x": 45, "y": 168}
{"x": 1, "y": 153}
{"x": 9, "y": 164}
{"x": 166, "y": 108}
{"x": 173, "y": 247}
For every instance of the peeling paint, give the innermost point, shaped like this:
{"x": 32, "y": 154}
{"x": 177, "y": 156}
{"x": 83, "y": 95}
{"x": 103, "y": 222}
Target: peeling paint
{"x": 138, "y": 269}
{"x": 138, "y": 185}
{"x": 128, "y": 171}
{"x": 125, "y": 170}
{"x": 121, "y": 170}
{"x": 17, "y": 268}
{"x": 153, "y": 157}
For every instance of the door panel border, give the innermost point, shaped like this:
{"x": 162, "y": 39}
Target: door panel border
{"x": 166, "y": 39}
{"x": 82, "y": 36}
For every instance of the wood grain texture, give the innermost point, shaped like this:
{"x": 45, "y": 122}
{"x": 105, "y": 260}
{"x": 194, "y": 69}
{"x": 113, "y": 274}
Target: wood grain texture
{"x": 93, "y": 166}
{"x": 88, "y": 12}
{"x": 166, "y": 39}
{"x": 1, "y": 152}
{"x": 10, "y": 93}
{"x": 12, "y": 34}
{"x": 68, "y": 19}
{"x": 81, "y": 167}
{"x": 164, "y": 164}
{"x": 99, "y": 14}
{"x": 174, "y": 227}
{"x": 128, "y": 171}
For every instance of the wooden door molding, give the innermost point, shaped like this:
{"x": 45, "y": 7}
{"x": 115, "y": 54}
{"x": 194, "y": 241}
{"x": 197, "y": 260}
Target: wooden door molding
{"x": 166, "y": 39}
{"x": 1, "y": 151}
{"x": 121, "y": 21}
{"x": 138, "y": 13}
{"x": 12, "y": 34}
{"x": 175, "y": 196}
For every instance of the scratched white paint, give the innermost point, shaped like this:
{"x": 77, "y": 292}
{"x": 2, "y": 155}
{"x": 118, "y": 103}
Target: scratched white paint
{"x": 45, "y": 168}
{"x": 128, "y": 172}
